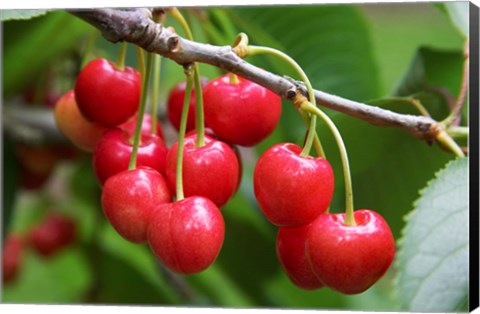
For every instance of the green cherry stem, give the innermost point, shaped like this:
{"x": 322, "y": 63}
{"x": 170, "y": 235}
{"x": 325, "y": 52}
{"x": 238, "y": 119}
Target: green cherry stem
{"x": 141, "y": 61}
{"x": 92, "y": 37}
{"x": 181, "y": 133}
{"x": 141, "y": 111}
{"x": 120, "y": 63}
{"x": 199, "y": 114}
{"x": 309, "y": 107}
{"x": 156, "y": 84}
{"x": 253, "y": 50}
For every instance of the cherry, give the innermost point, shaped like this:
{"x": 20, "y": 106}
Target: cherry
{"x": 243, "y": 113}
{"x": 292, "y": 190}
{"x": 54, "y": 233}
{"x": 187, "y": 235}
{"x": 106, "y": 94}
{"x": 12, "y": 256}
{"x": 131, "y": 125}
{"x": 211, "y": 170}
{"x": 81, "y": 132}
{"x": 113, "y": 152}
{"x": 292, "y": 256}
{"x": 129, "y": 198}
{"x": 350, "y": 259}
{"x": 175, "y": 105}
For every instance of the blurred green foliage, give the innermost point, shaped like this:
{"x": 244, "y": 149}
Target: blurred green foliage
{"x": 362, "y": 52}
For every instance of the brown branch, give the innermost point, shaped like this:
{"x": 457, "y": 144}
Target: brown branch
{"x": 136, "y": 26}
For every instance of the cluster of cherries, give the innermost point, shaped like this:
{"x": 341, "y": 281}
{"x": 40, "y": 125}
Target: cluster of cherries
{"x": 52, "y": 234}
{"x": 315, "y": 248}
{"x": 100, "y": 116}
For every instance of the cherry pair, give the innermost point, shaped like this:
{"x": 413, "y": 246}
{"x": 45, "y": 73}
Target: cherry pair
{"x": 316, "y": 248}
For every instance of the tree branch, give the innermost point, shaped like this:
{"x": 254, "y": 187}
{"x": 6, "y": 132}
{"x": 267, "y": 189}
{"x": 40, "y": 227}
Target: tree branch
{"x": 136, "y": 26}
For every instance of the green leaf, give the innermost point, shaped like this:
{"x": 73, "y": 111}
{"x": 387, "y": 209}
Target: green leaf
{"x": 6, "y": 15}
{"x": 63, "y": 278}
{"x": 458, "y": 12}
{"x": 31, "y": 46}
{"x": 434, "y": 77}
{"x": 433, "y": 259}
{"x": 334, "y": 48}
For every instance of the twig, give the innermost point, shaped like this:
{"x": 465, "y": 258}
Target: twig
{"x": 136, "y": 26}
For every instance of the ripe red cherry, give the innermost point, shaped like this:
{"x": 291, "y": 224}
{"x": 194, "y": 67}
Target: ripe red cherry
{"x": 244, "y": 113}
{"x": 129, "y": 199}
{"x": 175, "y": 105}
{"x": 55, "y": 232}
{"x": 292, "y": 190}
{"x": 187, "y": 235}
{"x": 113, "y": 152}
{"x": 131, "y": 125}
{"x": 211, "y": 170}
{"x": 292, "y": 256}
{"x": 81, "y": 132}
{"x": 12, "y": 255}
{"x": 350, "y": 259}
{"x": 107, "y": 95}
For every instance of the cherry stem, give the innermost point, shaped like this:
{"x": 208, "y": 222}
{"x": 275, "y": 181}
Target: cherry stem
{"x": 141, "y": 61}
{"x": 182, "y": 131}
{"x": 445, "y": 140}
{"x": 233, "y": 79}
{"x": 156, "y": 84}
{"x": 199, "y": 114}
{"x": 92, "y": 37}
{"x": 316, "y": 141}
{"x": 253, "y": 50}
{"x": 141, "y": 112}
{"x": 120, "y": 63}
{"x": 350, "y": 220}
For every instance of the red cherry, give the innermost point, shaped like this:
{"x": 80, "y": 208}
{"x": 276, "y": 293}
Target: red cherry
{"x": 292, "y": 190}
{"x": 350, "y": 259}
{"x": 107, "y": 95}
{"x": 244, "y": 113}
{"x": 175, "y": 105}
{"x": 131, "y": 125}
{"x": 55, "y": 232}
{"x": 211, "y": 171}
{"x": 12, "y": 256}
{"x": 113, "y": 152}
{"x": 292, "y": 256}
{"x": 81, "y": 132}
{"x": 129, "y": 199}
{"x": 187, "y": 235}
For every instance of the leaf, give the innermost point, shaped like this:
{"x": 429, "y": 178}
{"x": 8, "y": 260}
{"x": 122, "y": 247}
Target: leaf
{"x": 337, "y": 56}
{"x": 433, "y": 259}
{"x": 6, "y": 15}
{"x": 435, "y": 75}
{"x": 458, "y": 12}
{"x": 62, "y": 278}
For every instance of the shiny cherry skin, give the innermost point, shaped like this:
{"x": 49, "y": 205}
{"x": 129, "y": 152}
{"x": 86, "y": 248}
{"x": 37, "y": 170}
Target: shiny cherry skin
{"x": 130, "y": 197}
{"x": 187, "y": 235}
{"x": 244, "y": 113}
{"x": 131, "y": 125}
{"x": 292, "y": 190}
{"x": 350, "y": 259}
{"x": 211, "y": 171}
{"x": 107, "y": 95}
{"x": 54, "y": 233}
{"x": 71, "y": 123}
{"x": 291, "y": 253}
{"x": 113, "y": 152}
{"x": 175, "y": 105}
{"x": 12, "y": 256}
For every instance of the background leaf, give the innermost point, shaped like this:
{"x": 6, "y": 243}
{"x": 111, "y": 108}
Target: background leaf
{"x": 458, "y": 13}
{"x": 433, "y": 259}
{"x": 6, "y": 15}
